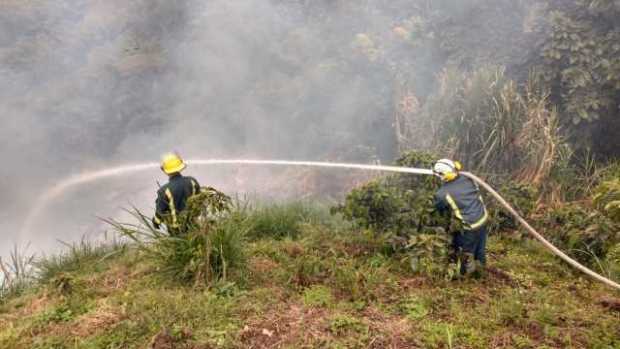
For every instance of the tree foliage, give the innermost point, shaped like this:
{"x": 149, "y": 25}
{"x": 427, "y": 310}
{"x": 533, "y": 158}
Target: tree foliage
{"x": 582, "y": 57}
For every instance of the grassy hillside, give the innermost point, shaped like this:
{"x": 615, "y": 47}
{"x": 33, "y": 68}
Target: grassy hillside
{"x": 324, "y": 285}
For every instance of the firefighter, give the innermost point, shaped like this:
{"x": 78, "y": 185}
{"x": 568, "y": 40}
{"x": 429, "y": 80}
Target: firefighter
{"x": 461, "y": 196}
{"x": 172, "y": 197}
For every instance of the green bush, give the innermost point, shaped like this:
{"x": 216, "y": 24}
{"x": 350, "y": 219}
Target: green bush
{"x": 522, "y": 196}
{"x": 607, "y": 199}
{"x": 342, "y": 325}
{"x": 585, "y": 234}
{"x": 402, "y": 207}
{"x": 401, "y": 204}
{"x": 429, "y": 253}
{"x": 374, "y": 205}
{"x": 415, "y": 308}
{"x": 612, "y": 261}
{"x": 307, "y": 270}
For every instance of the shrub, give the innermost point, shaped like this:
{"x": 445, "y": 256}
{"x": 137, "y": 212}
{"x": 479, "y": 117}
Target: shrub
{"x": 402, "y": 207}
{"x": 349, "y": 280}
{"x": 607, "y": 199}
{"x": 586, "y": 234}
{"x": 522, "y": 196}
{"x": 61, "y": 313}
{"x": 429, "y": 253}
{"x": 308, "y": 269}
{"x": 612, "y": 261}
{"x": 375, "y": 205}
{"x": 400, "y": 203}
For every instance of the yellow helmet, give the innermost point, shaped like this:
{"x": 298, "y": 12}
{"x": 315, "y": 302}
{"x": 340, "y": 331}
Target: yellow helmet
{"x": 172, "y": 163}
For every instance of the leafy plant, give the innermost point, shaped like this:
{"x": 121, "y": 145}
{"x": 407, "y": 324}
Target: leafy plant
{"x": 59, "y": 314}
{"x": 429, "y": 253}
{"x": 587, "y": 235}
{"x": 211, "y": 246}
{"x": 612, "y": 261}
{"x": 202, "y": 211}
{"x": 400, "y": 203}
{"x": 344, "y": 324}
{"x": 607, "y": 199}
{"x": 581, "y": 57}
{"x": 402, "y": 206}
{"x": 374, "y": 205}
{"x": 307, "y": 270}
{"x": 522, "y": 196}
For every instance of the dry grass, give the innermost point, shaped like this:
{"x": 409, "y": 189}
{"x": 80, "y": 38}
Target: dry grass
{"x": 539, "y": 140}
{"x": 488, "y": 122}
{"x": 102, "y": 318}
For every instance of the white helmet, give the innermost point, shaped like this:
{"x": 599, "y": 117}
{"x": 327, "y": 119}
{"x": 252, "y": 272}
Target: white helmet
{"x": 447, "y": 169}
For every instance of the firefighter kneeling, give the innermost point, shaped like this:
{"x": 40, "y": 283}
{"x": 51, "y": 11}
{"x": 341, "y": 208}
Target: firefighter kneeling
{"x": 462, "y": 197}
{"x": 172, "y": 197}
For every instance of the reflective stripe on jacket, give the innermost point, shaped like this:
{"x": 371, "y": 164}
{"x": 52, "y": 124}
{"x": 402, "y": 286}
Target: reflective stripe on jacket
{"x": 462, "y": 197}
{"x": 172, "y": 198}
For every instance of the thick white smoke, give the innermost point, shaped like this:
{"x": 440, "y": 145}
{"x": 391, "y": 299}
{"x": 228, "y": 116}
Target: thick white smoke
{"x": 89, "y": 84}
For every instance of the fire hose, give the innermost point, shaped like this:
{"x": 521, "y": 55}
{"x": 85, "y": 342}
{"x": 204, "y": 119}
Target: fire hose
{"x": 538, "y": 236}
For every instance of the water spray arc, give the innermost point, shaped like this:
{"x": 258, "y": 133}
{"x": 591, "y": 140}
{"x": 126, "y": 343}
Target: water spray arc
{"x": 87, "y": 177}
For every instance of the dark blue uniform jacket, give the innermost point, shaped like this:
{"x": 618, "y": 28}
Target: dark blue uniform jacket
{"x": 462, "y": 197}
{"x": 172, "y": 198}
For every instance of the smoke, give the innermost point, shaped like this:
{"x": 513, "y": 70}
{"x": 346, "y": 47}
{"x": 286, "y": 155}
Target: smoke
{"x": 87, "y": 84}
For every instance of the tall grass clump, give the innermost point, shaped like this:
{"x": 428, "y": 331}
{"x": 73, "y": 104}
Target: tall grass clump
{"x": 491, "y": 124}
{"x": 205, "y": 249}
{"x": 79, "y": 256}
{"x": 16, "y": 274}
{"x": 282, "y": 220}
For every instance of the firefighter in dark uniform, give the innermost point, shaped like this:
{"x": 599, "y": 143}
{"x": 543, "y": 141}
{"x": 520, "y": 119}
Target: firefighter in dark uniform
{"x": 461, "y": 196}
{"x": 172, "y": 197}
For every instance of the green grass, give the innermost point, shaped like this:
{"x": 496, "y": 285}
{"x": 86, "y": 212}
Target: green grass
{"x": 326, "y": 288}
{"x": 84, "y": 255}
{"x": 283, "y": 220}
{"x": 318, "y": 296}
